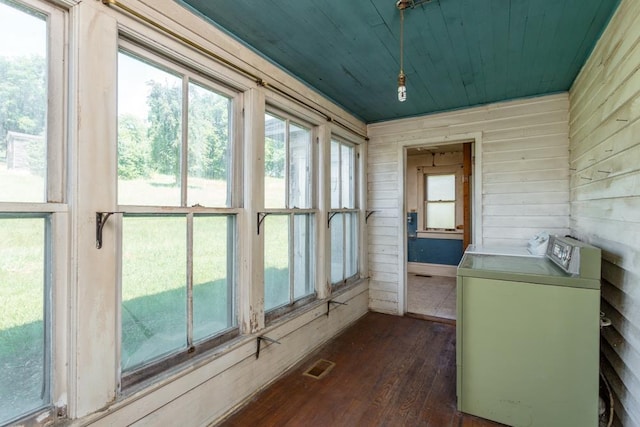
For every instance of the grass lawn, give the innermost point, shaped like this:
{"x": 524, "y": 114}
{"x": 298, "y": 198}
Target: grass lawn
{"x": 22, "y": 314}
{"x": 154, "y": 275}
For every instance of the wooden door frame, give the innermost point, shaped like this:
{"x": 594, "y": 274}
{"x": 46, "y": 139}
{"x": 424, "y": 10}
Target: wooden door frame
{"x": 475, "y": 139}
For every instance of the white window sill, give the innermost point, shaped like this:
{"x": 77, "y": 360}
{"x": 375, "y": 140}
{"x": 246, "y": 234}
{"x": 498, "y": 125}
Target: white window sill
{"x": 440, "y": 234}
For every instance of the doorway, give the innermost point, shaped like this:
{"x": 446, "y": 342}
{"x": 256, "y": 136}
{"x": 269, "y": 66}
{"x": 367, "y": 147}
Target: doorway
{"x": 438, "y": 215}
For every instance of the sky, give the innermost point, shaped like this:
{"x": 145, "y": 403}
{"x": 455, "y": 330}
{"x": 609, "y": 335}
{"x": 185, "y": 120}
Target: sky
{"x": 133, "y": 76}
{"x": 21, "y": 33}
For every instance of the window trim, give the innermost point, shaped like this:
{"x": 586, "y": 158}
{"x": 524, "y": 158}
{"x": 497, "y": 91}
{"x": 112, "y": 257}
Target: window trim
{"x": 343, "y": 210}
{"x": 277, "y": 312}
{"x": 423, "y": 172}
{"x": 129, "y": 380}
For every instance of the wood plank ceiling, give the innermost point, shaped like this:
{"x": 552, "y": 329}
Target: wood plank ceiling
{"x": 458, "y": 53}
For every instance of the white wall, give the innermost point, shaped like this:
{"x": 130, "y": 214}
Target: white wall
{"x": 605, "y": 192}
{"x": 523, "y": 183}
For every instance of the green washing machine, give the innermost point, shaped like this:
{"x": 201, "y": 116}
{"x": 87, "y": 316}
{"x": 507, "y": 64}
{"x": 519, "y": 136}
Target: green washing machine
{"x": 528, "y": 335}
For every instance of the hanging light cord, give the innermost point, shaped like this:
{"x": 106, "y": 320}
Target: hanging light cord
{"x": 401, "y": 40}
{"x": 402, "y": 79}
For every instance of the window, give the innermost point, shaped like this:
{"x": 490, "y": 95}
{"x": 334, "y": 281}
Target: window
{"x": 179, "y": 223}
{"x": 289, "y": 236}
{"x": 344, "y": 214}
{"x": 31, "y": 195}
{"x": 440, "y": 202}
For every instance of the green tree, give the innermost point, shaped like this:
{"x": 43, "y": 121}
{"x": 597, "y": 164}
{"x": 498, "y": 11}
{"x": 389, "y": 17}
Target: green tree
{"x": 274, "y": 157}
{"x": 165, "y": 127}
{"x": 133, "y": 147}
{"x": 23, "y": 95}
{"x": 208, "y": 133}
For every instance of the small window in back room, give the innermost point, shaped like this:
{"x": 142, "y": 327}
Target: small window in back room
{"x": 440, "y": 202}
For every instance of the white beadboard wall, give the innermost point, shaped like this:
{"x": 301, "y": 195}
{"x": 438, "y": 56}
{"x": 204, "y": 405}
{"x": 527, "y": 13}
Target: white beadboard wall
{"x": 524, "y": 174}
{"x": 605, "y": 193}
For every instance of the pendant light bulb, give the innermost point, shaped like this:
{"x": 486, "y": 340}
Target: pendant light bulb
{"x": 402, "y": 88}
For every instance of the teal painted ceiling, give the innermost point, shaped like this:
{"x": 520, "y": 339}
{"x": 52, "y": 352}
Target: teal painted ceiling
{"x": 458, "y": 53}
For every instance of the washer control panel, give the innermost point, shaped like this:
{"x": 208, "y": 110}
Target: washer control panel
{"x": 563, "y": 253}
{"x": 574, "y": 257}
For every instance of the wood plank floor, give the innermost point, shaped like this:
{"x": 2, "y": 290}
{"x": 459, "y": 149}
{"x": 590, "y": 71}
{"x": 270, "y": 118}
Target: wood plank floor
{"x": 389, "y": 371}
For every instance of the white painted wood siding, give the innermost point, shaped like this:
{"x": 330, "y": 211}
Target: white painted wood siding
{"x": 524, "y": 173}
{"x": 605, "y": 193}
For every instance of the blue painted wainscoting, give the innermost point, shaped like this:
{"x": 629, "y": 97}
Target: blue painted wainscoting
{"x": 431, "y": 251}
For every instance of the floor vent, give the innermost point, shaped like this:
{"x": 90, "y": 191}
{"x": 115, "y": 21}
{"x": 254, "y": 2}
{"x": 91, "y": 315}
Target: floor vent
{"x": 319, "y": 369}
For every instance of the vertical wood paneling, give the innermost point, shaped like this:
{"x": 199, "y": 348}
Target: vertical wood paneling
{"x": 94, "y": 339}
{"x": 525, "y": 172}
{"x": 605, "y": 193}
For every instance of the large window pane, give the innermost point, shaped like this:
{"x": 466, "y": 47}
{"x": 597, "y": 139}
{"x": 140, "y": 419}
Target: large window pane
{"x": 209, "y": 133}
{"x": 23, "y": 323}
{"x": 351, "y": 245}
{"x": 335, "y": 175}
{"x": 276, "y": 261}
{"x": 149, "y": 133}
{"x": 299, "y": 167}
{"x": 23, "y": 104}
{"x": 303, "y": 283}
{"x": 275, "y": 157}
{"x": 346, "y": 178}
{"x": 154, "y": 315}
{"x": 337, "y": 248}
{"x": 344, "y": 246}
{"x": 213, "y": 298}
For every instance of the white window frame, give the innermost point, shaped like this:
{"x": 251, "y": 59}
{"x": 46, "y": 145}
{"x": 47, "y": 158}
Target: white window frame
{"x": 345, "y": 210}
{"x": 195, "y": 72}
{"x": 55, "y": 211}
{"x": 425, "y": 171}
{"x": 276, "y": 312}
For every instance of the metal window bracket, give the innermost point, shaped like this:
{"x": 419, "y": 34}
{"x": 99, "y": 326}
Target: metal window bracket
{"x": 333, "y": 302}
{"x": 267, "y": 339}
{"x": 331, "y": 215}
{"x": 101, "y": 220}
{"x": 261, "y": 217}
{"x": 367, "y": 215}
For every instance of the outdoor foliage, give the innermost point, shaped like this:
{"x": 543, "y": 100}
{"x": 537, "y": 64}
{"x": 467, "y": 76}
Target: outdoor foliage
{"x": 153, "y": 145}
{"x": 23, "y": 95}
{"x": 133, "y": 148}
{"x": 165, "y": 127}
{"x": 274, "y": 157}
{"x": 208, "y": 133}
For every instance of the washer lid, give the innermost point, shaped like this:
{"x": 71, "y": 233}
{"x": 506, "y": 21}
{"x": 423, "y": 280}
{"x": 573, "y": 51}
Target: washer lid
{"x": 520, "y": 269}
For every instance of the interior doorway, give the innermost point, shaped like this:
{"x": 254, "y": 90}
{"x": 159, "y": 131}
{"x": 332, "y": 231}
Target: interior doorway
{"x": 438, "y": 214}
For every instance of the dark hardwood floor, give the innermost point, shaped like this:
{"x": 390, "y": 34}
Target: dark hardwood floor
{"x": 389, "y": 371}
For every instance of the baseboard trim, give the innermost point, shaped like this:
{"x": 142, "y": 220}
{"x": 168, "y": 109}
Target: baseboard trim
{"x": 431, "y": 269}
{"x": 432, "y": 318}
